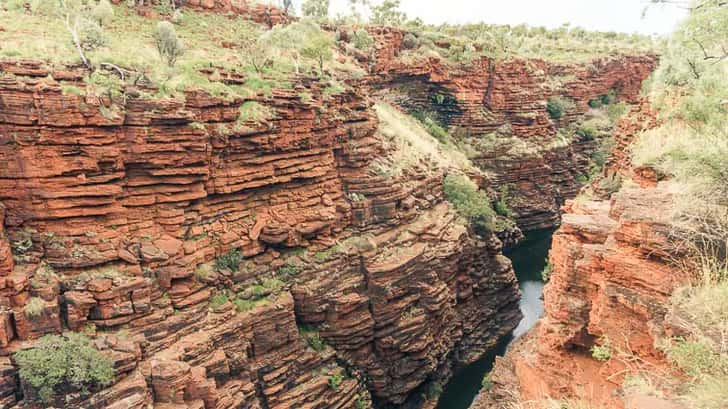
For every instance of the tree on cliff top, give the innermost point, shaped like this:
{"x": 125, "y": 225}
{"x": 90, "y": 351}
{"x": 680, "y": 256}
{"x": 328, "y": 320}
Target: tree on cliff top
{"x": 315, "y": 8}
{"x": 388, "y": 14}
{"x": 301, "y": 39}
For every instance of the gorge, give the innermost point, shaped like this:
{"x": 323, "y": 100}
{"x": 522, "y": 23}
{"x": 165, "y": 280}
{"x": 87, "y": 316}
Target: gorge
{"x": 299, "y": 213}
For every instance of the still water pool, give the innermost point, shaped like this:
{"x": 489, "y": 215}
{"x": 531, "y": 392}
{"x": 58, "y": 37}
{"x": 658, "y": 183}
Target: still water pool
{"x": 529, "y": 259}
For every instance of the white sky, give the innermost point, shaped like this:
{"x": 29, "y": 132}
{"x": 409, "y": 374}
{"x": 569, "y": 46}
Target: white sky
{"x": 603, "y": 15}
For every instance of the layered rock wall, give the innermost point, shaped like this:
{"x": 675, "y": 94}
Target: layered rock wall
{"x": 505, "y": 99}
{"x": 613, "y": 273}
{"x": 116, "y": 211}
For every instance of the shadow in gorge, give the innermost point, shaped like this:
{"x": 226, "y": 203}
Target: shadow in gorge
{"x": 529, "y": 260}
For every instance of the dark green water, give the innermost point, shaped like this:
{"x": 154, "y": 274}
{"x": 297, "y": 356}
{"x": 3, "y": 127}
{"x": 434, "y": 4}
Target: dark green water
{"x": 529, "y": 259}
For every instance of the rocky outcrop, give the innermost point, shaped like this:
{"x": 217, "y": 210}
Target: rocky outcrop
{"x": 486, "y": 100}
{"x": 259, "y": 12}
{"x": 116, "y": 210}
{"x": 611, "y": 280}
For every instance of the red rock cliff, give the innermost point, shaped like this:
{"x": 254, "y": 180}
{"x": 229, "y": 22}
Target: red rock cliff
{"x": 116, "y": 211}
{"x": 507, "y": 99}
{"x": 612, "y": 276}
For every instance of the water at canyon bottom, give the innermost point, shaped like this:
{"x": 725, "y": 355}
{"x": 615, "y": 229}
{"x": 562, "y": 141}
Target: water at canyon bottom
{"x": 529, "y": 259}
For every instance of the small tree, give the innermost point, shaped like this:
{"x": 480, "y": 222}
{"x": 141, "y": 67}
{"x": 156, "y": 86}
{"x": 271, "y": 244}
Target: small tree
{"x": 168, "y": 45}
{"x": 300, "y": 39}
{"x": 59, "y": 364}
{"x": 388, "y": 14}
{"x": 318, "y": 47}
{"x": 315, "y": 8}
{"x": 103, "y": 13}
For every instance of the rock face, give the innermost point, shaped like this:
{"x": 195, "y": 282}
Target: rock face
{"x": 506, "y": 99}
{"x": 116, "y": 210}
{"x": 612, "y": 276}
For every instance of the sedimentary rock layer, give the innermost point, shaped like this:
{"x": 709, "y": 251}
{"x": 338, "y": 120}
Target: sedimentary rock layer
{"x": 503, "y": 99}
{"x": 115, "y": 211}
{"x": 611, "y": 280}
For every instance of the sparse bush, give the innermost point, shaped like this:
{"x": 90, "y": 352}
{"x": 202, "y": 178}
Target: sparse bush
{"x": 229, "y": 261}
{"x": 91, "y": 35}
{"x": 558, "y": 106}
{"x": 103, "y": 13}
{"x": 433, "y": 127}
{"x": 204, "y": 272}
{"x": 595, "y": 103}
{"x": 546, "y": 272}
{"x": 602, "y": 352}
{"x": 362, "y": 40}
{"x": 312, "y": 338}
{"x": 487, "y": 383}
{"x": 387, "y": 13}
{"x": 470, "y": 202}
{"x": 252, "y": 111}
{"x": 587, "y": 132}
{"x": 315, "y": 8}
{"x": 335, "y": 381}
{"x": 501, "y": 205}
{"x": 59, "y": 364}
{"x": 609, "y": 98}
{"x": 610, "y": 183}
{"x": 218, "y": 301}
{"x": 410, "y": 42}
{"x": 697, "y": 358}
{"x": 288, "y": 270}
{"x": 34, "y": 307}
{"x": 168, "y": 45}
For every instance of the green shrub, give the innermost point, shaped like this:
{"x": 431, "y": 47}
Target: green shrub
{"x": 410, "y": 42}
{"x": 609, "y": 98}
{"x": 501, "y": 205}
{"x": 168, "y": 45}
{"x": 362, "y": 40}
{"x": 229, "y": 261}
{"x": 242, "y": 305}
{"x": 557, "y": 106}
{"x": 546, "y": 272}
{"x": 335, "y": 381}
{"x": 315, "y": 8}
{"x": 470, "y": 202}
{"x": 696, "y": 358}
{"x": 602, "y": 352}
{"x": 288, "y": 270}
{"x": 312, "y": 338}
{"x": 218, "y": 301}
{"x": 595, "y": 103}
{"x": 58, "y": 364}
{"x": 587, "y": 132}
{"x": 34, "y": 307}
{"x": 252, "y": 111}
{"x": 432, "y": 126}
{"x": 103, "y": 13}
{"x": 487, "y": 383}
{"x": 91, "y": 35}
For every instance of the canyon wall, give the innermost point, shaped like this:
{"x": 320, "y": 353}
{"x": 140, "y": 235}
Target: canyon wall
{"x": 116, "y": 210}
{"x": 505, "y": 99}
{"x": 612, "y": 275}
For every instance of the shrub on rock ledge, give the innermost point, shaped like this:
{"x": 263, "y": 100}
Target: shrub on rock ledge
{"x": 557, "y": 106}
{"x": 470, "y": 202}
{"x": 59, "y": 364}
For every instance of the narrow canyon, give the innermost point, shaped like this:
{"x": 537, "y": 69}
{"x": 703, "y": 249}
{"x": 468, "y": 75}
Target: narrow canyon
{"x": 306, "y": 245}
